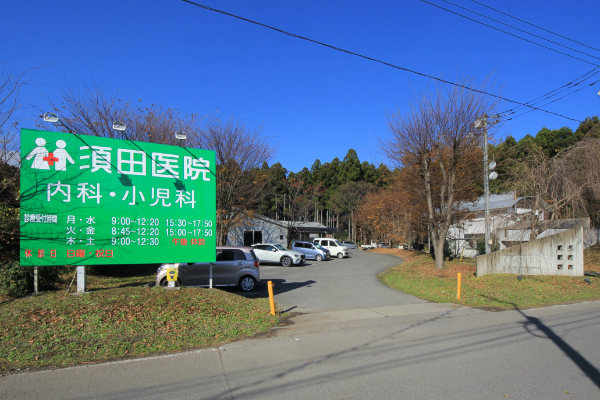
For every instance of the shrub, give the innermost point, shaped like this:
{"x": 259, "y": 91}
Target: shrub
{"x": 447, "y": 251}
{"x": 17, "y": 280}
{"x": 481, "y": 244}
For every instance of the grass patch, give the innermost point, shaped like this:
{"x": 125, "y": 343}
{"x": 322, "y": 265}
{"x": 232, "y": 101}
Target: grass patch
{"x": 419, "y": 277}
{"x": 122, "y": 318}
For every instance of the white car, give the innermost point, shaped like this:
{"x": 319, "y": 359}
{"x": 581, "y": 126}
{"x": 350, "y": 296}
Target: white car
{"x": 334, "y": 247}
{"x": 276, "y": 253}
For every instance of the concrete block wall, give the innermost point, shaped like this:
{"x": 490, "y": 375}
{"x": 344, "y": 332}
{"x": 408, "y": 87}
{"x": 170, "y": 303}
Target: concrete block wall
{"x": 559, "y": 254}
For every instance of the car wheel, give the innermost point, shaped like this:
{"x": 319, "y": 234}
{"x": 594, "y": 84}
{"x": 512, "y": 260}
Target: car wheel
{"x": 319, "y": 257}
{"x": 247, "y": 283}
{"x": 165, "y": 283}
{"x": 286, "y": 261}
{"x": 340, "y": 255}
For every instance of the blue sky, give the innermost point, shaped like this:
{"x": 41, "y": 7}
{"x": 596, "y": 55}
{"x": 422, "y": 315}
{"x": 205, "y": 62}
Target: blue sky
{"x": 313, "y": 102}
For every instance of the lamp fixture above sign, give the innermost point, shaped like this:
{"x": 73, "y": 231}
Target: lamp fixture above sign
{"x": 119, "y": 126}
{"x": 50, "y": 117}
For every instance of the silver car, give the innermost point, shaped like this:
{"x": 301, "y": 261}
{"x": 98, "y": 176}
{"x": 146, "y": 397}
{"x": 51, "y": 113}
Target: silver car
{"x": 349, "y": 244}
{"x": 277, "y": 254}
{"x": 234, "y": 266}
{"x": 312, "y": 251}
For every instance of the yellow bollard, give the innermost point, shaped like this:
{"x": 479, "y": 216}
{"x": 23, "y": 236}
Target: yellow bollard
{"x": 271, "y": 299}
{"x": 458, "y": 289}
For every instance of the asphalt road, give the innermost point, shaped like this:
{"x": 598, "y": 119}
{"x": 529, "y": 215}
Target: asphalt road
{"x": 337, "y": 284}
{"x": 380, "y": 350}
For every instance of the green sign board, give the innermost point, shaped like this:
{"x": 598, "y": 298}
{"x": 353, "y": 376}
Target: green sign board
{"x": 89, "y": 200}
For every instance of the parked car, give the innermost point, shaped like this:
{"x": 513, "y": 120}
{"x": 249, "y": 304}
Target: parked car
{"x": 276, "y": 253}
{"x": 373, "y": 245}
{"x": 234, "y": 266}
{"x": 349, "y": 244}
{"x": 312, "y": 251}
{"x": 334, "y": 247}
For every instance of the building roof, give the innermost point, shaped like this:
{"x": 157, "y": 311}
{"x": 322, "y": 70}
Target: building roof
{"x": 300, "y": 226}
{"x": 568, "y": 223}
{"x": 502, "y": 201}
{"x": 497, "y": 201}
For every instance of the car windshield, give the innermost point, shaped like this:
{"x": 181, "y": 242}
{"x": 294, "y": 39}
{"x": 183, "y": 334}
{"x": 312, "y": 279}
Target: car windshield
{"x": 280, "y": 247}
{"x": 318, "y": 246}
{"x": 348, "y": 242}
{"x": 338, "y": 243}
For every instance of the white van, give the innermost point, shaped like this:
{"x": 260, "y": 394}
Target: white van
{"x": 334, "y": 246}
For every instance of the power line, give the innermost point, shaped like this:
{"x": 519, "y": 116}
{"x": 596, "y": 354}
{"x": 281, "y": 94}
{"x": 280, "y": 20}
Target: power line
{"x": 508, "y": 33}
{"x": 550, "y": 102}
{"x": 567, "y": 86}
{"x": 539, "y": 27}
{"x": 548, "y": 95}
{"x": 521, "y": 30}
{"x": 375, "y": 60}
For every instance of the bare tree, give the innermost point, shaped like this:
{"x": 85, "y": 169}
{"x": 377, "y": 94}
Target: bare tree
{"x": 564, "y": 186}
{"x": 240, "y": 152}
{"x": 391, "y": 214}
{"x": 91, "y": 110}
{"x": 434, "y": 140}
{"x": 10, "y": 88}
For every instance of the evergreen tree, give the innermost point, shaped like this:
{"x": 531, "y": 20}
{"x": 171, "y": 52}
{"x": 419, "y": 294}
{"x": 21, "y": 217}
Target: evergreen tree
{"x": 384, "y": 176}
{"x": 350, "y": 170}
{"x": 590, "y": 127}
{"x": 368, "y": 172}
{"x": 553, "y": 141}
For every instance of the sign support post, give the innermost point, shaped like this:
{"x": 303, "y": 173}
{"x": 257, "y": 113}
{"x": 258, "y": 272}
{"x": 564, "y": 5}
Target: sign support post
{"x": 81, "y": 279}
{"x": 35, "y": 280}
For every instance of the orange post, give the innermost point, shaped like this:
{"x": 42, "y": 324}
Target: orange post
{"x": 458, "y": 289}
{"x": 271, "y": 299}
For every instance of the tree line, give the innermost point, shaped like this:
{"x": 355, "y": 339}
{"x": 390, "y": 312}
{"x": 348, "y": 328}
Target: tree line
{"x": 327, "y": 193}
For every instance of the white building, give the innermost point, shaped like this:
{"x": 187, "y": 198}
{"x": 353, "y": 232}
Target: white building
{"x": 510, "y": 224}
{"x": 506, "y": 209}
{"x": 262, "y": 229}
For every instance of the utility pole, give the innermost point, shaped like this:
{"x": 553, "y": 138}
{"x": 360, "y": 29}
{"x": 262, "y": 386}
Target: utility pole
{"x": 483, "y": 122}
{"x": 486, "y": 186}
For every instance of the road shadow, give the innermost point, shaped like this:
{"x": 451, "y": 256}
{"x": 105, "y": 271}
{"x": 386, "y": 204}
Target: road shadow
{"x": 279, "y": 286}
{"x": 532, "y": 322}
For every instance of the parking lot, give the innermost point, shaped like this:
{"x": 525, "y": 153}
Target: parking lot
{"x": 337, "y": 284}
